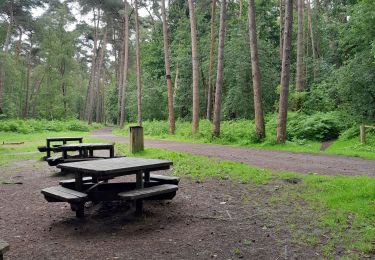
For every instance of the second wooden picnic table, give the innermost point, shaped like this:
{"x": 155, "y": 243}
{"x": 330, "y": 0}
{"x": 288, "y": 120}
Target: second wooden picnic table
{"x": 87, "y": 149}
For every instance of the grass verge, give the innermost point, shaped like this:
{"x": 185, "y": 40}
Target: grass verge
{"x": 344, "y": 205}
{"x": 241, "y": 133}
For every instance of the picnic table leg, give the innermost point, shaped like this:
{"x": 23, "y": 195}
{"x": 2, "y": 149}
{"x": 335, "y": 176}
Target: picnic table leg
{"x": 139, "y": 185}
{"x": 112, "y": 152}
{"x": 85, "y": 153}
{"x": 79, "y": 207}
{"x": 147, "y": 176}
{"x": 65, "y": 154}
{"x": 91, "y": 152}
{"x": 48, "y": 149}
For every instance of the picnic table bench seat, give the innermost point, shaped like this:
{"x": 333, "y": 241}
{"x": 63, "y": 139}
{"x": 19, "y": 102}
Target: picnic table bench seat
{"x": 61, "y": 194}
{"x": 148, "y": 192}
{"x": 4, "y": 247}
{"x": 164, "y": 179}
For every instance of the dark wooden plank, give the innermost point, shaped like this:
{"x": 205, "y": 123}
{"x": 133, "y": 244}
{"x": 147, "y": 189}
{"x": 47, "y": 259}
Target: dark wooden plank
{"x": 116, "y": 166}
{"x": 148, "y": 192}
{"x": 70, "y": 181}
{"x": 64, "y": 194}
{"x": 165, "y": 179}
{"x": 64, "y": 138}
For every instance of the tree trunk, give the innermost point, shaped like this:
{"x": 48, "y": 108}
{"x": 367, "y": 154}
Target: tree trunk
{"x": 138, "y": 64}
{"x": 92, "y": 85}
{"x": 175, "y": 84}
{"x": 125, "y": 64}
{"x": 120, "y": 84}
{"x": 212, "y": 37}
{"x": 168, "y": 70}
{"x": 194, "y": 50}
{"x": 100, "y": 91}
{"x": 281, "y": 35}
{"x": 28, "y": 73}
{"x": 9, "y": 30}
{"x": 220, "y": 69}
{"x": 285, "y": 73}
{"x": 257, "y": 87}
{"x": 309, "y": 18}
{"x": 299, "y": 69}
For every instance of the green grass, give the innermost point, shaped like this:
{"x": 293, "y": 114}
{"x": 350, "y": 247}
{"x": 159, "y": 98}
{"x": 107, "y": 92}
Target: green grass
{"x": 345, "y": 205}
{"x": 241, "y": 133}
{"x": 352, "y": 147}
{"x": 28, "y": 150}
{"x": 201, "y": 167}
{"x": 349, "y": 204}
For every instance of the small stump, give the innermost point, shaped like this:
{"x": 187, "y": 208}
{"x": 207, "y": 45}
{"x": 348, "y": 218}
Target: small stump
{"x": 136, "y": 139}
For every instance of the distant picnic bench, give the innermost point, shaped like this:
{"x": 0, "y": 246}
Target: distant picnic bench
{"x": 91, "y": 178}
{"x": 64, "y": 140}
{"x": 85, "y": 150}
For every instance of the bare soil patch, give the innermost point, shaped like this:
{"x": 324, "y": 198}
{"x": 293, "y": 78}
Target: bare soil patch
{"x": 274, "y": 160}
{"x": 217, "y": 219}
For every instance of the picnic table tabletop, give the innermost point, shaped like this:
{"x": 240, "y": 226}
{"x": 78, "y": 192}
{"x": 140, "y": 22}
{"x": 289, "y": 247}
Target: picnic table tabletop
{"x": 64, "y": 138}
{"x": 116, "y": 166}
{"x": 87, "y": 145}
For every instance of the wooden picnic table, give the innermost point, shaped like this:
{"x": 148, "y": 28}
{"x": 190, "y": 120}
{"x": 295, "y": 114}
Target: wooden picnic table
{"x": 87, "y": 149}
{"x": 101, "y": 171}
{"x": 64, "y": 140}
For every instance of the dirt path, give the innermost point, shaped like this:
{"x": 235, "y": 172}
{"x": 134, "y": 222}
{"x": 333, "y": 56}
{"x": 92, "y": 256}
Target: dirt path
{"x": 275, "y": 160}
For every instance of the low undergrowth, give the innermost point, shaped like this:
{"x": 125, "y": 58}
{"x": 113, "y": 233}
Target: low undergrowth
{"x": 305, "y": 134}
{"x": 38, "y": 126}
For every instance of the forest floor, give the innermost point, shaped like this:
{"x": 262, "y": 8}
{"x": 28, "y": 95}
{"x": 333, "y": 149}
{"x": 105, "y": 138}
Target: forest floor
{"x": 274, "y": 160}
{"x": 213, "y": 217}
{"x": 218, "y": 219}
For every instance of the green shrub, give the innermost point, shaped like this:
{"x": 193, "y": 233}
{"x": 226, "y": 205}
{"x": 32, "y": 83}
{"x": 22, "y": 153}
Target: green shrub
{"x": 34, "y": 126}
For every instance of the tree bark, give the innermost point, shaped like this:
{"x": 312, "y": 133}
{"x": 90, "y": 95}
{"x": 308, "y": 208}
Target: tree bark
{"x": 138, "y": 64}
{"x": 309, "y": 18}
{"x": 100, "y": 91}
{"x": 168, "y": 70}
{"x": 281, "y": 35}
{"x": 120, "y": 83}
{"x": 285, "y": 73}
{"x": 212, "y": 37}
{"x": 299, "y": 69}
{"x": 194, "y": 50}
{"x": 257, "y": 87}
{"x": 125, "y": 63}
{"x": 92, "y": 85}
{"x": 28, "y": 73}
{"x": 220, "y": 69}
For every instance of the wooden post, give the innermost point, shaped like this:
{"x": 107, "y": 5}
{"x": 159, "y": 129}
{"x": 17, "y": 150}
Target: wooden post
{"x": 136, "y": 139}
{"x": 362, "y": 134}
